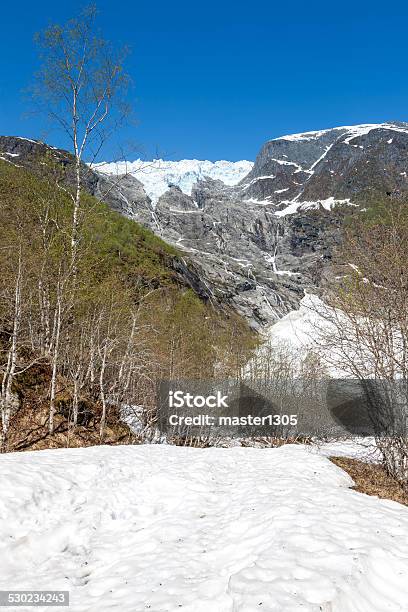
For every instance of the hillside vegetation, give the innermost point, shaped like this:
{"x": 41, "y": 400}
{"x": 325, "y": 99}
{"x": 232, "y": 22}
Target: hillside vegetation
{"x": 80, "y": 340}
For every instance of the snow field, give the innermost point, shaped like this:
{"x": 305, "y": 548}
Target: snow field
{"x": 164, "y": 528}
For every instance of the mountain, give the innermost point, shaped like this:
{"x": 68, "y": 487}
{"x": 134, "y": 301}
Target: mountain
{"x": 130, "y": 287}
{"x": 342, "y": 164}
{"x": 257, "y": 242}
{"x": 157, "y": 176}
{"x": 261, "y": 243}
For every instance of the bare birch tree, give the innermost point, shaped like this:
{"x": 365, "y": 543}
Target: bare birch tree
{"x": 81, "y": 87}
{"x": 6, "y": 397}
{"x": 362, "y": 328}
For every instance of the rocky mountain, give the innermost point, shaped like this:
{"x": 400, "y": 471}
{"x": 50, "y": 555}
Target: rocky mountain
{"x": 261, "y": 243}
{"x": 341, "y": 164}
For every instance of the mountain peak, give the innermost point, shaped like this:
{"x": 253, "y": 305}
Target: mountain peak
{"x": 357, "y": 130}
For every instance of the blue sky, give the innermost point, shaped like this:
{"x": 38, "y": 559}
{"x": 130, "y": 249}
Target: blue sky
{"x": 215, "y": 79}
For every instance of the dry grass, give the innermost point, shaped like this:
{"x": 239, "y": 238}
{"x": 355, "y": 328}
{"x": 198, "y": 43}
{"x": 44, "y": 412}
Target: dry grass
{"x": 29, "y": 431}
{"x": 372, "y": 479}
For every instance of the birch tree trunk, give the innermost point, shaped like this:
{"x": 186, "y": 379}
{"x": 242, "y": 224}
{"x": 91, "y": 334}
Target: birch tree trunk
{"x": 102, "y": 391}
{"x": 6, "y": 398}
{"x": 55, "y": 354}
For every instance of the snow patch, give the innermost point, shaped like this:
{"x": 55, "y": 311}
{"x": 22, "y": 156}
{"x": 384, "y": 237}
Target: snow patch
{"x": 293, "y": 205}
{"x": 260, "y": 202}
{"x": 283, "y": 162}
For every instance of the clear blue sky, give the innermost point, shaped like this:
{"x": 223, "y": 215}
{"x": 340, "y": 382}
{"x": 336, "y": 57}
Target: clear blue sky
{"x": 215, "y": 79}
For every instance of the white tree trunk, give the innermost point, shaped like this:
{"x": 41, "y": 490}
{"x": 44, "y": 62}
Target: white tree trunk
{"x": 6, "y": 398}
{"x": 55, "y": 363}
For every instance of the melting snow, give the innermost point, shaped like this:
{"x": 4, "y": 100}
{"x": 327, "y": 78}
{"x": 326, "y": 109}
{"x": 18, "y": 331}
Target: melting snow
{"x": 313, "y": 166}
{"x": 255, "y": 201}
{"x": 283, "y": 162}
{"x": 259, "y": 178}
{"x": 200, "y": 530}
{"x": 293, "y": 205}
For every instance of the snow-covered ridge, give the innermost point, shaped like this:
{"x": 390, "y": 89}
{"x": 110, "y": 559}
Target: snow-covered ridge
{"x": 351, "y": 130}
{"x": 158, "y": 175}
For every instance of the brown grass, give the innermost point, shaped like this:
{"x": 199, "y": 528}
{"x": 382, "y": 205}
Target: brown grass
{"x": 29, "y": 430}
{"x": 372, "y": 479}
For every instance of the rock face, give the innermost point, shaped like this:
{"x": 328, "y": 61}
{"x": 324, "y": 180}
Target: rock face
{"x": 337, "y": 164}
{"x": 260, "y": 244}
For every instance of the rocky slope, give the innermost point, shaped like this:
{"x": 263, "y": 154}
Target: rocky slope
{"x": 346, "y": 163}
{"x": 126, "y": 196}
{"x": 259, "y": 244}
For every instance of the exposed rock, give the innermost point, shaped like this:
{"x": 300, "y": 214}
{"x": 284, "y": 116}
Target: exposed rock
{"x": 261, "y": 244}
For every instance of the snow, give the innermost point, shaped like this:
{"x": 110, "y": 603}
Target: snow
{"x": 186, "y": 212}
{"x": 293, "y": 206}
{"x": 353, "y": 131}
{"x": 286, "y": 273}
{"x": 305, "y": 135}
{"x": 323, "y": 155}
{"x": 157, "y": 175}
{"x": 312, "y": 329}
{"x": 361, "y": 130}
{"x": 272, "y": 260}
{"x": 259, "y": 202}
{"x": 283, "y": 162}
{"x": 299, "y": 332}
{"x": 258, "y": 178}
{"x": 29, "y": 140}
{"x": 363, "y": 449}
{"x": 296, "y": 328}
{"x": 165, "y": 528}
{"x": 6, "y": 159}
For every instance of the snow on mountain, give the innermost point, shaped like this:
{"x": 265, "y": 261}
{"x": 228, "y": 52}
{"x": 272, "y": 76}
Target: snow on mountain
{"x": 167, "y": 528}
{"x": 353, "y": 130}
{"x": 158, "y": 175}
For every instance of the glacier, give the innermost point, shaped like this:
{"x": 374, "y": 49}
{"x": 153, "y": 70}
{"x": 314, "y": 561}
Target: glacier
{"x": 158, "y": 175}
